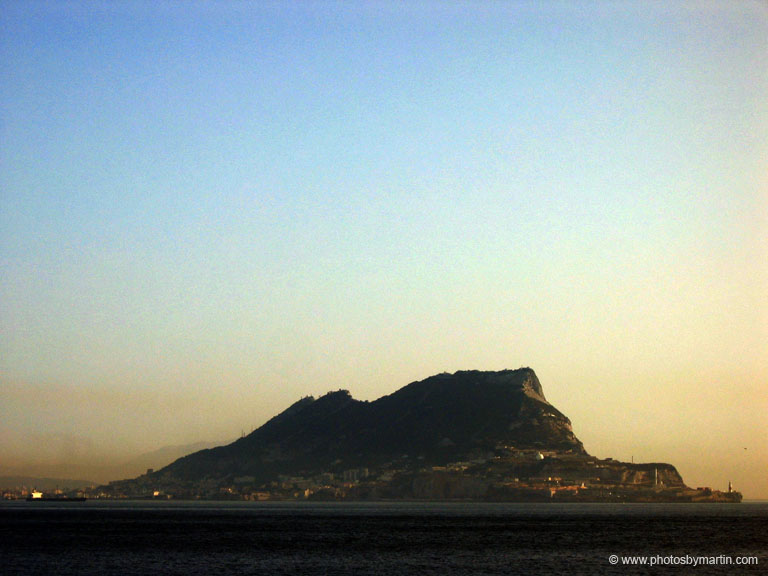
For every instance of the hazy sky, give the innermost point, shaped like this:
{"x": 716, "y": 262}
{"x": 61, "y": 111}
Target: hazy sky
{"x": 211, "y": 209}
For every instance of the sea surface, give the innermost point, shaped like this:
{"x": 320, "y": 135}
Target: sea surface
{"x": 212, "y": 538}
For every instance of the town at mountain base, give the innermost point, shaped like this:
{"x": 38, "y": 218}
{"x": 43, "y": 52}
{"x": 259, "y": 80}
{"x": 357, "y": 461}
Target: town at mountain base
{"x": 472, "y": 435}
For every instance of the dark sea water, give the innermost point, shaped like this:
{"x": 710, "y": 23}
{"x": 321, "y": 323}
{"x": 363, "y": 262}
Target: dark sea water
{"x": 102, "y": 537}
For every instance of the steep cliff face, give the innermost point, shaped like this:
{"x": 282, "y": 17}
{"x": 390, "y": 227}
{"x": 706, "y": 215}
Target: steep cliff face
{"x": 444, "y": 418}
{"x": 648, "y": 474}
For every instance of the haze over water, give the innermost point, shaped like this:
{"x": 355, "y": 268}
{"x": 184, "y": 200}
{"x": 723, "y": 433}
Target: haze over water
{"x": 210, "y": 211}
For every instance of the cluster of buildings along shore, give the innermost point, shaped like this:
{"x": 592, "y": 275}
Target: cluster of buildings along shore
{"x": 29, "y": 490}
{"x": 402, "y": 478}
{"x": 506, "y": 474}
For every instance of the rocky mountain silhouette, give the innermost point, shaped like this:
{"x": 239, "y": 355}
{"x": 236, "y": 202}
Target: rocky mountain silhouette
{"x": 472, "y": 435}
{"x": 442, "y": 419}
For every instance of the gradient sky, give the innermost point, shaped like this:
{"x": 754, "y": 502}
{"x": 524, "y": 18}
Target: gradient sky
{"x": 211, "y": 209}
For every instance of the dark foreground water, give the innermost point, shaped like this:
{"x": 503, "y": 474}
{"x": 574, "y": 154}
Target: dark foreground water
{"x": 167, "y": 538}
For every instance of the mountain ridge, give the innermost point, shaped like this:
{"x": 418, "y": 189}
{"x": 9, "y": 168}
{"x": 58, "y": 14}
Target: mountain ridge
{"x": 468, "y": 435}
{"x": 468, "y": 410}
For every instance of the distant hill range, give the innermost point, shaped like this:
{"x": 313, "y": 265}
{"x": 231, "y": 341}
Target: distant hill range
{"x": 68, "y": 474}
{"x": 163, "y": 456}
{"x": 34, "y": 482}
{"x": 471, "y": 434}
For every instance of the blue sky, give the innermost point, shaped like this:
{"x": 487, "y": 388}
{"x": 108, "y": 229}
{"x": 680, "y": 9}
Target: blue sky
{"x": 211, "y": 209}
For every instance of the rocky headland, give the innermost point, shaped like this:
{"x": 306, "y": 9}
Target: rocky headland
{"x": 471, "y": 435}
